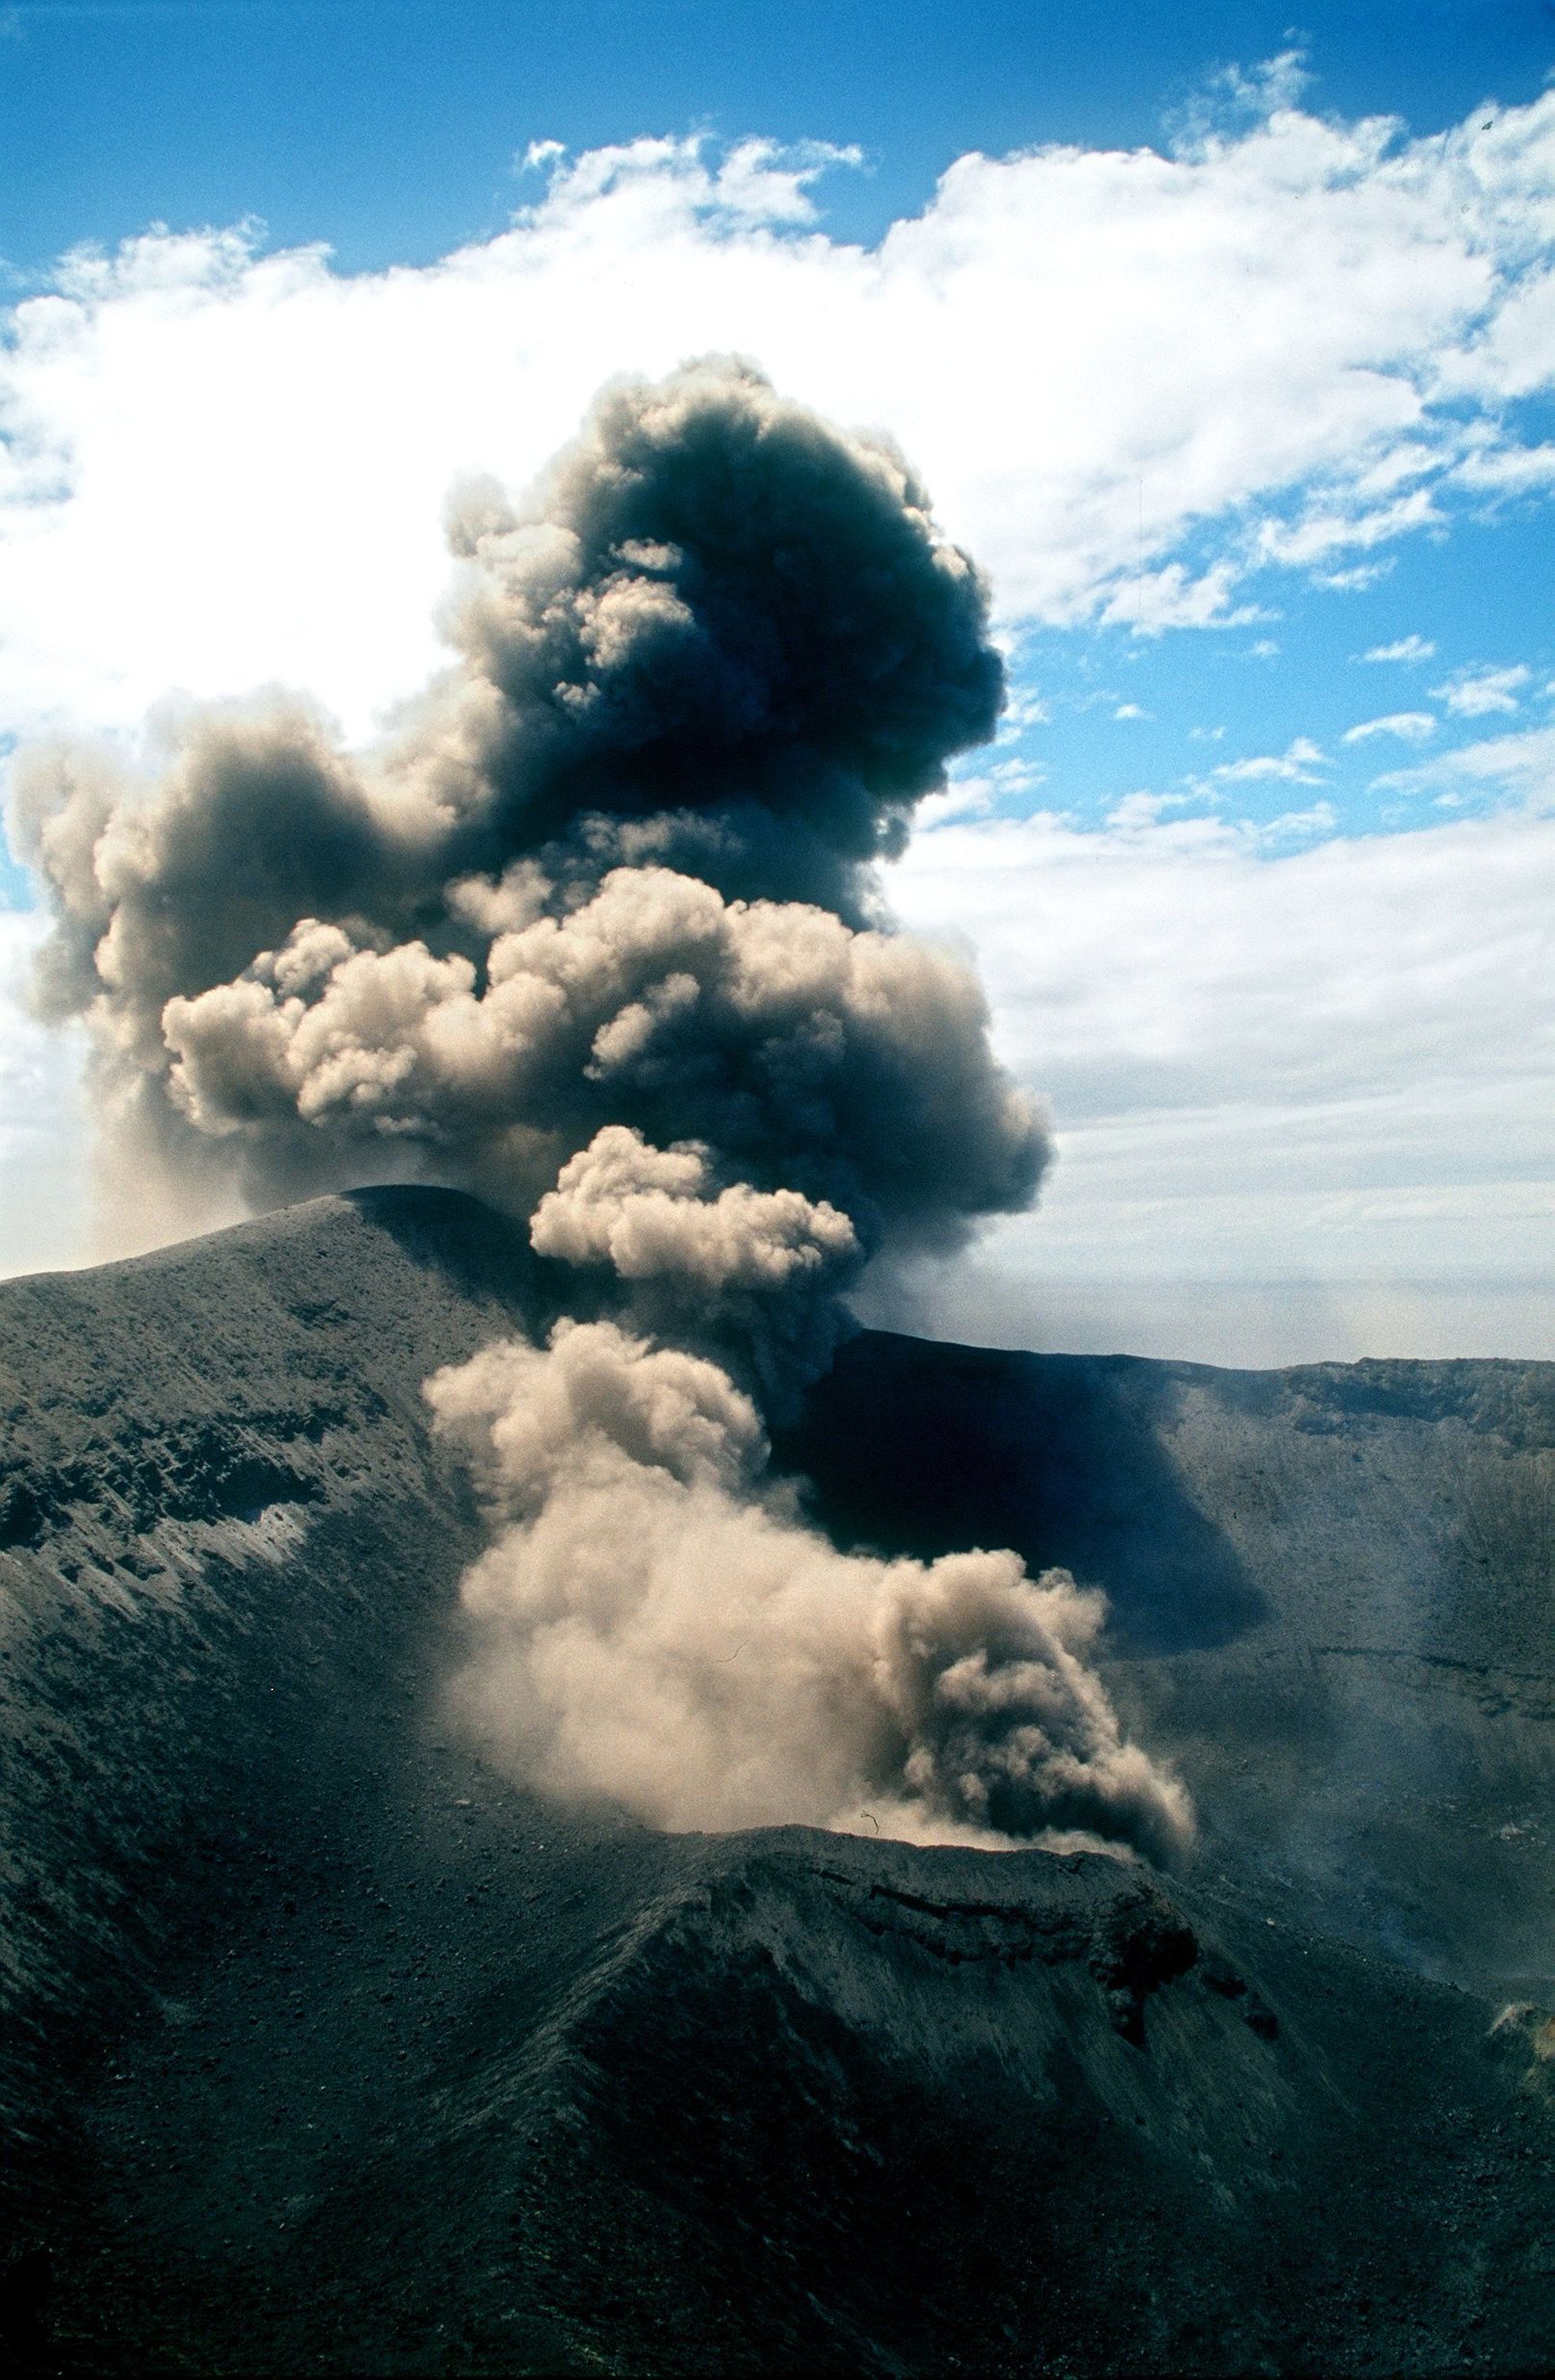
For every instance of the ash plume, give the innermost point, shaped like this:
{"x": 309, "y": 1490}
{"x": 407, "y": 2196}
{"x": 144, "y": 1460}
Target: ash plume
{"x": 660, "y": 1627}
{"x": 721, "y": 637}
{"x": 595, "y": 933}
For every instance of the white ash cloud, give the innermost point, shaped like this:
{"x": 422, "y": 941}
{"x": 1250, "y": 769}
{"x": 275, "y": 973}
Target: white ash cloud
{"x": 655, "y": 1625}
{"x": 597, "y": 935}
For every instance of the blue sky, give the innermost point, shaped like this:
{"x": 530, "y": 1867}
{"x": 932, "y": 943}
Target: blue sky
{"x": 1228, "y": 386}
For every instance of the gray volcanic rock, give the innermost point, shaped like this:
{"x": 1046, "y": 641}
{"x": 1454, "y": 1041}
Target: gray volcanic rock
{"x": 325, "y": 2049}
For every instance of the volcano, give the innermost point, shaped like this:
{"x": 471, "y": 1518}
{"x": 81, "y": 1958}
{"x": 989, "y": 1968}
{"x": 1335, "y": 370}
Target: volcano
{"x": 327, "y": 2049}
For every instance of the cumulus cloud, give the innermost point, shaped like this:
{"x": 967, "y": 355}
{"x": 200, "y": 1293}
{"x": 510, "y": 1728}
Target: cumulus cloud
{"x": 653, "y": 1625}
{"x": 1339, "y": 317}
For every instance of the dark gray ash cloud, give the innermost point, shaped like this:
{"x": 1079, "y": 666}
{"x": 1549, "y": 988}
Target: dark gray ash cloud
{"x": 595, "y": 933}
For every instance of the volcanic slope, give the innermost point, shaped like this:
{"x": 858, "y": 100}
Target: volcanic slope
{"x": 325, "y": 2049}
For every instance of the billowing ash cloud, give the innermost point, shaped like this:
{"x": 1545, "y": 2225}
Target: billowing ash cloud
{"x": 721, "y": 635}
{"x": 849, "y": 1064}
{"x": 657, "y": 1626}
{"x": 595, "y": 933}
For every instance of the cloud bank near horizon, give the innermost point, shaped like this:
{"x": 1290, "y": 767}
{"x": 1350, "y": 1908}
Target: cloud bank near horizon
{"x": 1302, "y": 1068}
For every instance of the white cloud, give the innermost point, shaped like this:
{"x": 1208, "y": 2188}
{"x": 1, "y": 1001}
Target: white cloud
{"x": 228, "y": 468}
{"x": 1508, "y": 470}
{"x": 1141, "y": 810}
{"x": 1472, "y": 694}
{"x": 972, "y": 793}
{"x": 755, "y": 183}
{"x": 1024, "y": 709}
{"x": 1152, "y": 601}
{"x": 1326, "y": 532}
{"x": 1239, "y": 95}
{"x": 1130, "y": 710}
{"x": 1178, "y": 968}
{"x": 1357, "y": 579}
{"x": 1403, "y": 648}
{"x": 1409, "y": 727}
{"x": 1295, "y": 765}
{"x": 1295, "y": 826}
{"x": 42, "y": 1170}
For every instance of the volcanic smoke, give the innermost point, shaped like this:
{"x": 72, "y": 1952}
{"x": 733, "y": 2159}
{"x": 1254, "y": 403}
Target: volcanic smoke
{"x": 596, "y": 934}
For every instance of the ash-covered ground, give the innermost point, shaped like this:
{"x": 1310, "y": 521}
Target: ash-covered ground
{"x": 327, "y": 2050}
